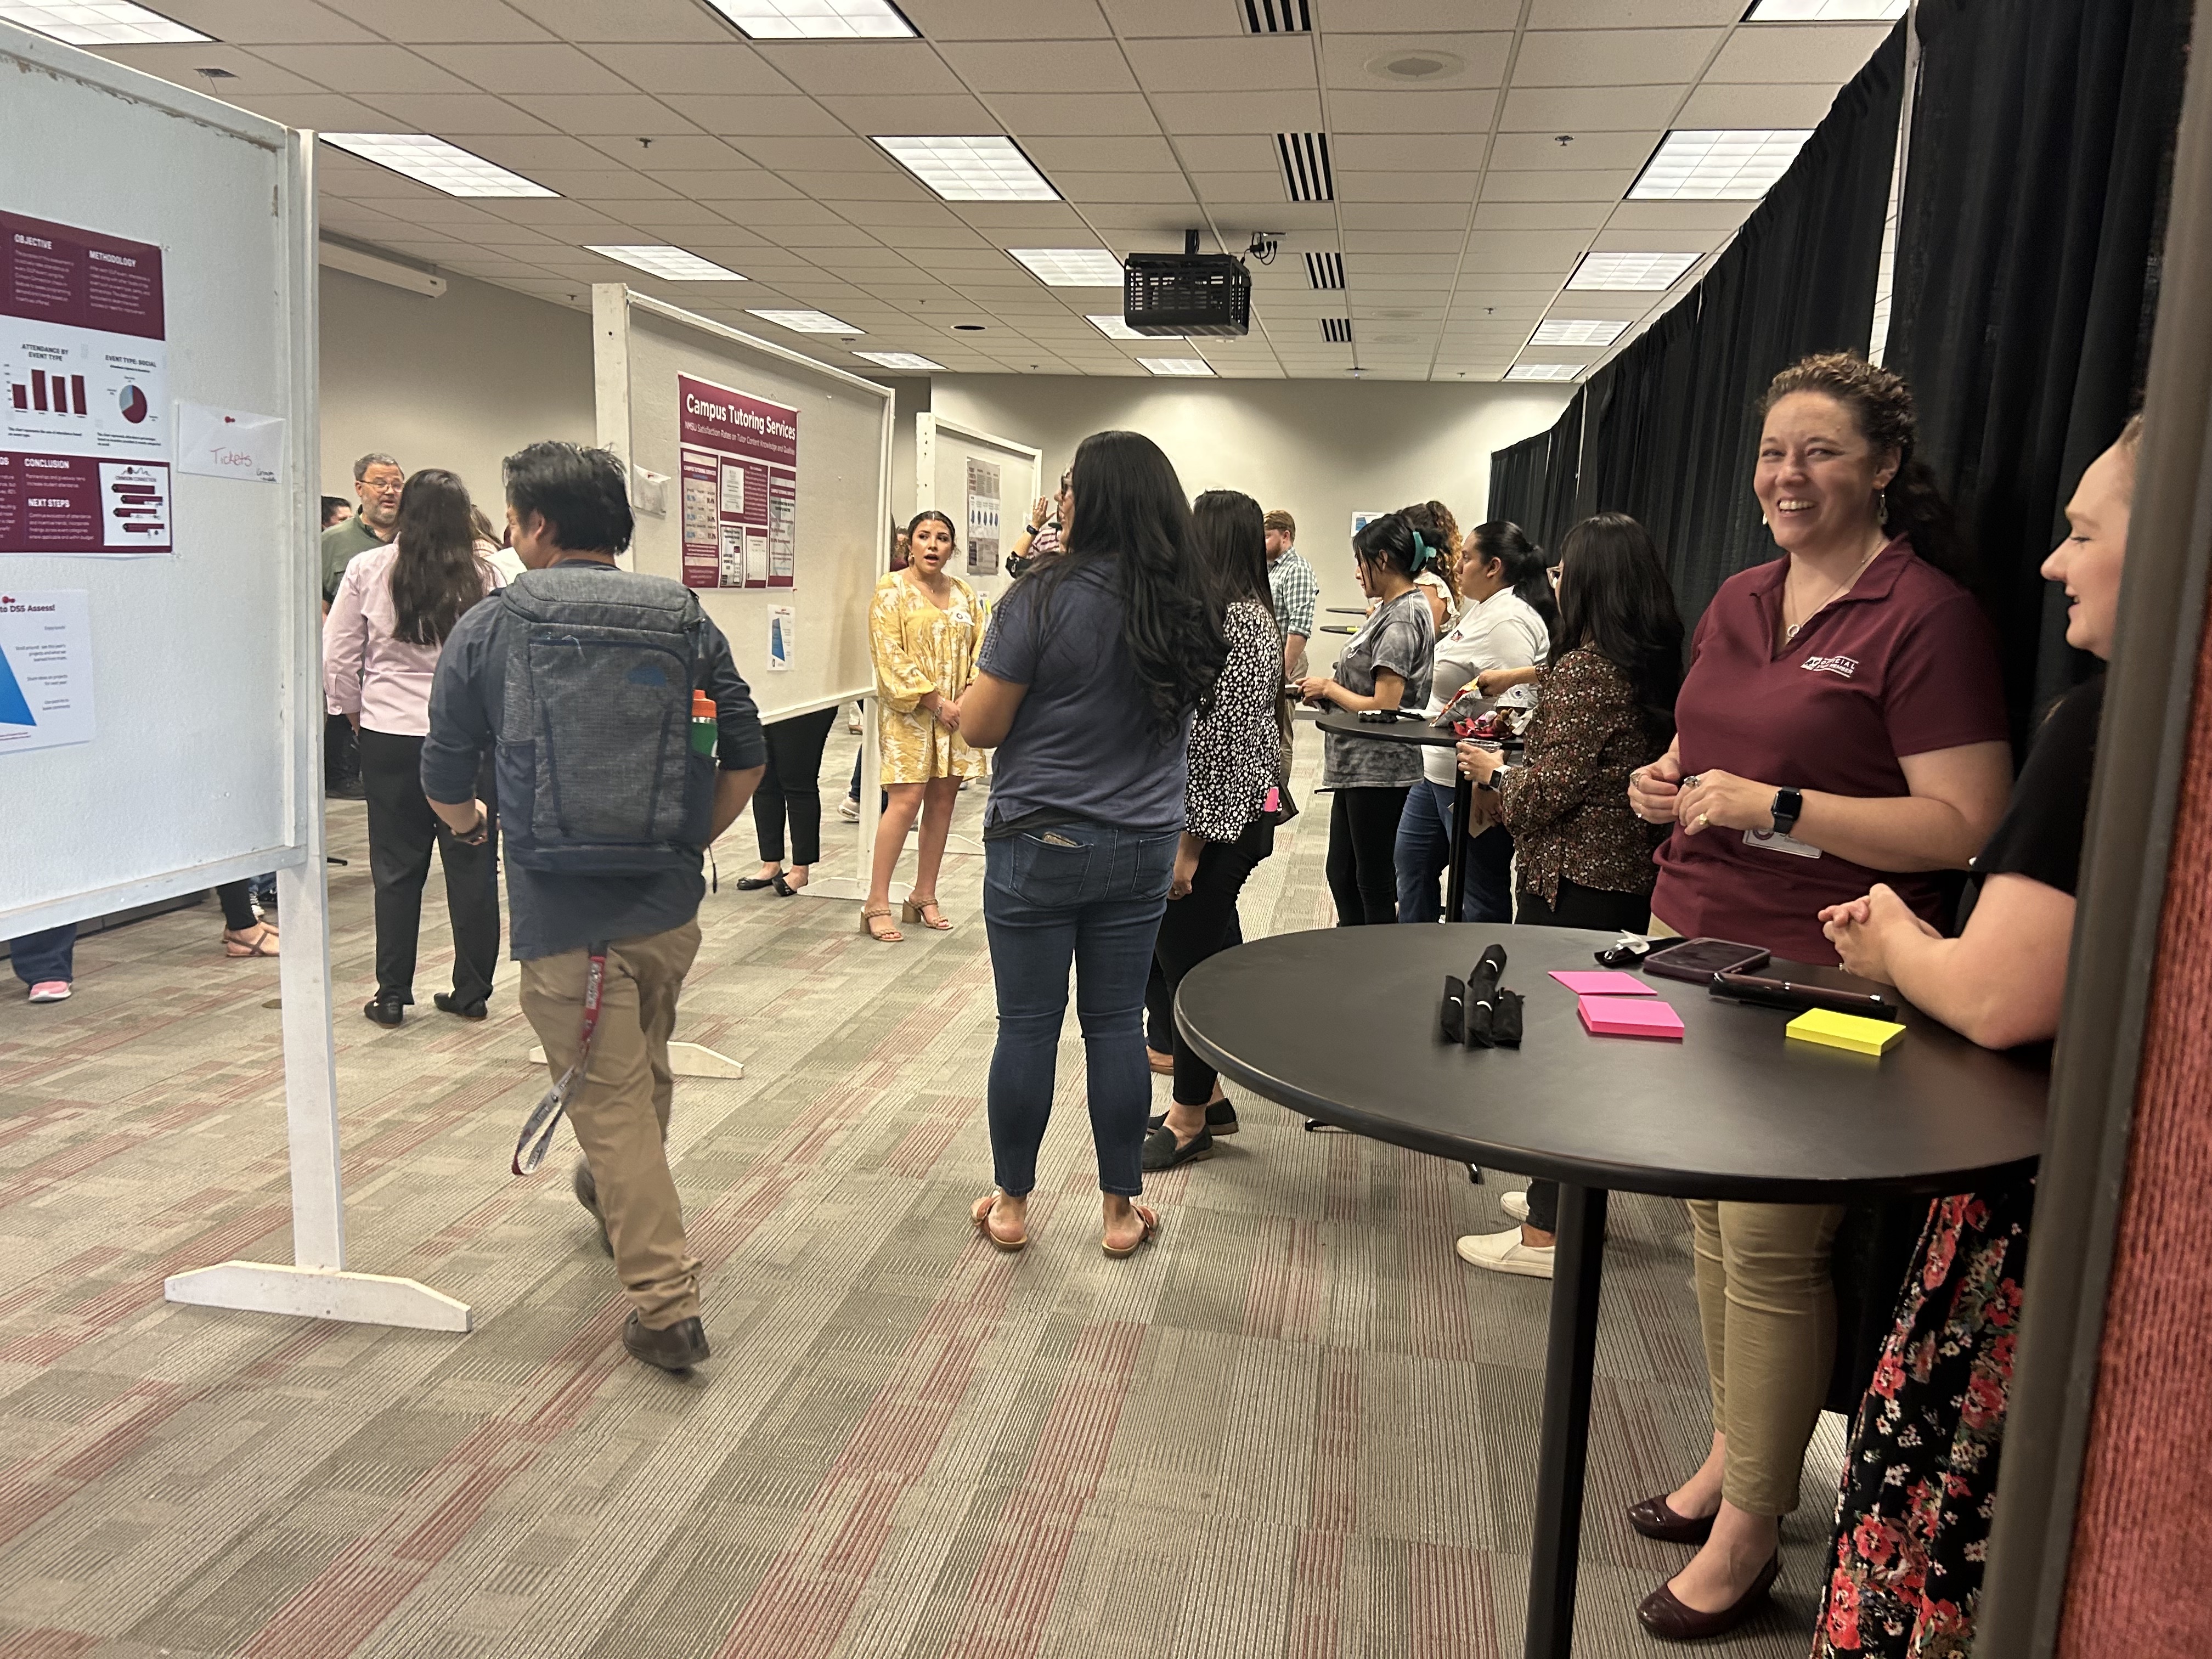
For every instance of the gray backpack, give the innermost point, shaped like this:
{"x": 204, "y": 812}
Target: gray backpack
{"x": 596, "y": 771}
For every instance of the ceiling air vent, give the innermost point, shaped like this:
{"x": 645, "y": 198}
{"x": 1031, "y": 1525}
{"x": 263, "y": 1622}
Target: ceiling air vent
{"x": 1305, "y": 156}
{"x": 1337, "y": 331}
{"x": 1325, "y": 270}
{"x": 1279, "y": 17}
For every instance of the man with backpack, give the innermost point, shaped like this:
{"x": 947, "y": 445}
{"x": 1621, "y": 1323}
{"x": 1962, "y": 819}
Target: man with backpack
{"x": 583, "y": 679}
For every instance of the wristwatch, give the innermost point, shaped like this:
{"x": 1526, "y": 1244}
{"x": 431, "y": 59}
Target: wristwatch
{"x": 1495, "y": 781}
{"x": 1788, "y": 806}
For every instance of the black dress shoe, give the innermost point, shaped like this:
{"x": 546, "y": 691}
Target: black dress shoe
{"x": 386, "y": 1007}
{"x": 447, "y": 1003}
{"x": 754, "y": 884}
{"x": 587, "y": 1194}
{"x": 1671, "y": 1619}
{"x": 677, "y": 1348}
{"x": 1220, "y": 1119}
{"x": 1655, "y": 1520}
{"x": 1164, "y": 1152}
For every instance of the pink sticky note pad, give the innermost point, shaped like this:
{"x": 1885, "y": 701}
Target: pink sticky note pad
{"x": 1593, "y": 983}
{"x": 1632, "y": 1016}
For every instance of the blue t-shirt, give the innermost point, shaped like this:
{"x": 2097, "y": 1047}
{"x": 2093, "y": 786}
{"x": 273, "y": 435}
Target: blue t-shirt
{"x": 1080, "y": 746}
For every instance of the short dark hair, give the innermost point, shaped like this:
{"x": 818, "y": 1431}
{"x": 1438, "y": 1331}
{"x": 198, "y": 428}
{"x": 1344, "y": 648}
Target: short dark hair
{"x": 580, "y": 493}
{"x": 332, "y": 505}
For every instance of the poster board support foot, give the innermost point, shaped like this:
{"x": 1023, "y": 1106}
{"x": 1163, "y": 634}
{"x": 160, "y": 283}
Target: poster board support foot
{"x": 319, "y": 1293}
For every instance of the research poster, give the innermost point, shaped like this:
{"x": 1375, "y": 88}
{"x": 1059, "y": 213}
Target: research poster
{"x": 982, "y": 518}
{"x": 739, "y": 462}
{"x": 84, "y": 422}
{"x": 45, "y": 671}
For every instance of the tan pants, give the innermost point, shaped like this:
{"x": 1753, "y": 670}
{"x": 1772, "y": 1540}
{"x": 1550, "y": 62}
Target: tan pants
{"x": 620, "y": 1109}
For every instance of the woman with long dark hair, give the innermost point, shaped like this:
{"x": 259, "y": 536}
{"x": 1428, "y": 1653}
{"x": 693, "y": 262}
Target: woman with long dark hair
{"x": 1089, "y": 677}
{"x": 1605, "y": 707}
{"x": 391, "y": 613}
{"x": 1236, "y": 754}
{"x": 1386, "y": 666}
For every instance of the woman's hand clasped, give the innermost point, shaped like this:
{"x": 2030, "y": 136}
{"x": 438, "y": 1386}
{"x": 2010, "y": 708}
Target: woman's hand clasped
{"x": 1653, "y": 790}
{"x": 1720, "y": 800}
{"x": 1860, "y": 930}
{"x": 948, "y": 714}
{"x": 1315, "y": 689}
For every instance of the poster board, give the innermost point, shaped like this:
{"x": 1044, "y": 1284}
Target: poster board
{"x": 761, "y": 480}
{"x": 985, "y": 484}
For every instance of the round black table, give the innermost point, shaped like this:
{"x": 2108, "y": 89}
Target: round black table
{"x": 1422, "y": 735}
{"x": 1734, "y": 1110}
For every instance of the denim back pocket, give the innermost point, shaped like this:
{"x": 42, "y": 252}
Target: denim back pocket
{"x": 1151, "y": 864}
{"x": 1050, "y": 867}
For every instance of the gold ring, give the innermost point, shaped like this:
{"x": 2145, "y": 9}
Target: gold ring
{"x": 1704, "y": 819}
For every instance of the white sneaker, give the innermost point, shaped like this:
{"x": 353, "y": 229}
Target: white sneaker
{"x": 1514, "y": 1205}
{"x": 1505, "y": 1253}
{"x": 849, "y": 810}
{"x": 50, "y": 990}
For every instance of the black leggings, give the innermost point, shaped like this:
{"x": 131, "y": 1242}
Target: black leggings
{"x": 1363, "y": 836}
{"x": 1576, "y": 906}
{"x": 1203, "y": 923}
{"x": 791, "y": 788}
{"x": 237, "y": 900}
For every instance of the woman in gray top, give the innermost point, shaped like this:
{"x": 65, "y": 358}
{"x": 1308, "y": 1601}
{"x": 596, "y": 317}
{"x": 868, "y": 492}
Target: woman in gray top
{"x": 1387, "y": 665}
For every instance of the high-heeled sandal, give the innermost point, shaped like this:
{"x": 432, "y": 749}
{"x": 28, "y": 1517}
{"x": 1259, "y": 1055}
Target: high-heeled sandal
{"x": 891, "y": 937}
{"x": 917, "y": 910}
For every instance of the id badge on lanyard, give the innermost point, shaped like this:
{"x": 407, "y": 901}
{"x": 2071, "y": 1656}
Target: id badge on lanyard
{"x": 545, "y": 1117}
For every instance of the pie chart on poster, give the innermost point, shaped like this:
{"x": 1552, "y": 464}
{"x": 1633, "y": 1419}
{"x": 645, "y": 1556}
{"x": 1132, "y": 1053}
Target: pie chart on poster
{"x": 133, "y": 403}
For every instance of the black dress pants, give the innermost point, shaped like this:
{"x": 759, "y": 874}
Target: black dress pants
{"x": 1203, "y": 923}
{"x": 402, "y": 830}
{"x": 791, "y": 788}
{"x": 1576, "y": 906}
{"x": 1362, "y": 838}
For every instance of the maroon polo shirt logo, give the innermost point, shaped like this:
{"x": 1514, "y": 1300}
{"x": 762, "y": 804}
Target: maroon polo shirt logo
{"x": 1842, "y": 667}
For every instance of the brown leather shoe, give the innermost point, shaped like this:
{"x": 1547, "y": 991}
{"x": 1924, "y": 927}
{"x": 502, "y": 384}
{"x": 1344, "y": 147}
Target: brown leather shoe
{"x": 1655, "y": 1520}
{"x": 1164, "y": 1064}
{"x": 1672, "y": 1620}
{"x": 677, "y": 1348}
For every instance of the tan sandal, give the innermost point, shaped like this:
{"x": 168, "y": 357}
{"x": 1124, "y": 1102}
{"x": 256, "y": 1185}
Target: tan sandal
{"x": 1151, "y": 1220}
{"x": 238, "y": 949}
{"x": 980, "y": 1212}
{"x": 917, "y": 910}
{"x": 889, "y": 936}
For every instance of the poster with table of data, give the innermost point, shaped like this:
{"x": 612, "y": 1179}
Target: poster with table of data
{"x": 740, "y": 457}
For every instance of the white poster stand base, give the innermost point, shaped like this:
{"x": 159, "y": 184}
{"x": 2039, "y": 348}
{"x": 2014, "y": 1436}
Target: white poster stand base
{"x": 319, "y": 1293}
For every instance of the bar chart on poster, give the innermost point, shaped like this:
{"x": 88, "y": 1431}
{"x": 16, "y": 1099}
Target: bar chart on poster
{"x": 740, "y": 473}
{"x": 976, "y": 479}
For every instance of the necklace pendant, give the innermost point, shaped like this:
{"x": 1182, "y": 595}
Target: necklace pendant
{"x": 1789, "y": 632}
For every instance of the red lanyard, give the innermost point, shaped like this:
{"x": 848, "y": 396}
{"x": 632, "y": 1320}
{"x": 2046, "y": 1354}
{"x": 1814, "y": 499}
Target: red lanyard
{"x": 545, "y": 1117}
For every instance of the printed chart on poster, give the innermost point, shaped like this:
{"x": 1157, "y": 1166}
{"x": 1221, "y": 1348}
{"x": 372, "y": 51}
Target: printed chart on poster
{"x": 84, "y": 422}
{"x": 45, "y": 671}
{"x": 982, "y": 518}
{"x": 740, "y": 462}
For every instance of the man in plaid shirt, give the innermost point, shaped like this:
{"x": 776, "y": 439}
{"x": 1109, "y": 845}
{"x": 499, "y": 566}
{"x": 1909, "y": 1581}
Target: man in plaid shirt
{"x": 1295, "y": 588}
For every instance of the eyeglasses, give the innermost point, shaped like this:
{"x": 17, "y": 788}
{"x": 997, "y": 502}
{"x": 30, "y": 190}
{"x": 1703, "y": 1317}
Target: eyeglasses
{"x": 364, "y": 484}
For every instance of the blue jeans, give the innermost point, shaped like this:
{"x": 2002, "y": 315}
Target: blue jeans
{"x": 50, "y": 953}
{"x": 1091, "y": 894}
{"x": 1423, "y": 849}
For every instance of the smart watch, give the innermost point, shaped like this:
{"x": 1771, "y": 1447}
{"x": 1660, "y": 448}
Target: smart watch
{"x": 1788, "y": 806}
{"x": 1495, "y": 781}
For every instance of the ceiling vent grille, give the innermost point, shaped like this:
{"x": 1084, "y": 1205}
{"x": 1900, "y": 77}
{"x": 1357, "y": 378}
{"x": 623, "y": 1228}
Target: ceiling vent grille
{"x": 1325, "y": 270}
{"x": 1337, "y": 331}
{"x": 1279, "y": 17}
{"x": 1304, "y": 158}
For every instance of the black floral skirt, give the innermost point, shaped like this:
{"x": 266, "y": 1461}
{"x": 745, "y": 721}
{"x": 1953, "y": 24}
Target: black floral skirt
{"x": 1919, "y": 1482}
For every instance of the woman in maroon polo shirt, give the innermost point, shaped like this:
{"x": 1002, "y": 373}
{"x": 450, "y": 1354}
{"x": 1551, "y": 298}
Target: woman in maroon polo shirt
{"x": 1842, "y": 724}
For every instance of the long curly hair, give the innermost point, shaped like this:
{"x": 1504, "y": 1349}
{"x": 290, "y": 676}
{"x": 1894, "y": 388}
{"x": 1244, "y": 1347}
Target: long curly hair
{"x": 1881, "y": 404}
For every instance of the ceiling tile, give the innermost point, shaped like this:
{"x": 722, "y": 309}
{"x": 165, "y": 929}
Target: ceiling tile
{"x": 1582, "y": 216}
{"x": 850, "y": 154}
{"x": 1250, "y": 152}
{"x": 1756, "y": 106}
{"x": 1086, "y": 187}
{"x": 1110, "y": 112}
{"x": 1438, "y": 242}
{"x": 870, "y": 184}
{"x": 1237, "y": 186}
{"x": 1439, "y": 216}
{"x": 1563, "y": 185}
{"x": 1414, "y": 16}
{"x": 364, "y": 70}
{"x": 1595, "y": 109}
{"x": 1526, "y": 250}
{"x": 250, "y": 76}
{"x": 914, "y": 114}
{"x": 1247, "y": 63}
{"x": 728, "y": 67}
{"x": 1354, "y": 61}
{"x": 256, "y": 22}
{"x": 452, "y": 114}
{"x": 531, "y": 68}
{"x": 1400, "y": 112}
{"x": 1678, "y": 239}
{"x": 1613, "y": 57}
{"x": 929, "y": 221}
{"x": 1778, "y": 52}
{"x": 595, "y": 21}
{"x": 1530, "y": 151}
{"x": 1238, "y": 112}
{"x": 728, "y": 116}
{"x": 1680, "y": 215}
{"x": 1137, "y": 19}
{"x": 1034, "y": 64}
{"x": 320, "y": 111}
{"x": 1006, "y": 20}
{"x": 1632, "y": 14}
{"x": 1097, "y": 154}
{"x": 838, "y": 66}
{"x": 603, "y": 186}
{"x": 603, "y": 115}
{"x": 1379, "y": 152}
{"x": 1407, "y": 186}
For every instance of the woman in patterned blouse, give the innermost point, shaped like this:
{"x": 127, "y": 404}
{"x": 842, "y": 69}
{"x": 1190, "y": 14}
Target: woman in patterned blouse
{"x": 1235, "y": 751}
{"x": 1606, "y": 706}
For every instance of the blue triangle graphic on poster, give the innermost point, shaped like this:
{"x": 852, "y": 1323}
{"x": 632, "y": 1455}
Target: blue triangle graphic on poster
{"x": 14, "y": 708}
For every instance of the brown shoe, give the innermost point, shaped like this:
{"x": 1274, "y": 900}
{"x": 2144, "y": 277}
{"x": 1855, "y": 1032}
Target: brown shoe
{"x": 1164, "y": 1064}
{"x": 677, "y": 1348}
{"x": 1655, "y": 1520}
{"x": 1673, "y": 1620}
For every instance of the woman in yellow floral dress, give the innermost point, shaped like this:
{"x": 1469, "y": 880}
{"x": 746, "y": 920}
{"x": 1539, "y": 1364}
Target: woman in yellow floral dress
{"x": 923, "y": 631}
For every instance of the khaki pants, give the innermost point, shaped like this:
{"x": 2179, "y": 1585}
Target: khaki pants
{"x": 620, "y": 1109}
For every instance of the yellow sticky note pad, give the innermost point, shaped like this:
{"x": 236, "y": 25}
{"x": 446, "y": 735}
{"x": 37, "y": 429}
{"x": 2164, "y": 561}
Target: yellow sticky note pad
{"x": 1852, "y": 1031}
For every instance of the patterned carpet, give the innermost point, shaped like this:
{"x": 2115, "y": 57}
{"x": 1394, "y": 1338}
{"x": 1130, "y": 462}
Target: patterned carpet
{"x": 1296, "y": 1427}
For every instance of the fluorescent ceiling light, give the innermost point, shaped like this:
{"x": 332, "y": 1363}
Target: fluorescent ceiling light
{"x": 1177, "y": 365}
{"x": 435, "y": 162}
{"x": 657, "y": 259}
{"x": 99, "y": 23}
{"x": 1543, "y": 371}
{"x": 1116, "y": 328}
{"x": 808, "y": 322}
{"x": 1070, "y": 267}
{"x": 1827, "y": 11}
{"x": 1567, "y": 331}
{"x": 1644, "y": 273}
{"x": 989, "y": 169}
{"x": 817, "y": 20}
{"x": 899, "y": 359}
{"x": 1731, "y": 165}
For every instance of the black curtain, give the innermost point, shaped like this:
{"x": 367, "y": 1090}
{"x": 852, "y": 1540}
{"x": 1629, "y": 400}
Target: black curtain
{"x": 1557, "y": 507}
{"x": 1516, "y": 481}
{"x": 2027, "y": 274}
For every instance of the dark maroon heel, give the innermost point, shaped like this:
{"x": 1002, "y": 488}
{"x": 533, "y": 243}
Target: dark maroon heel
{"x": 1655, "y": 1520}
{"x": 1673, "y": 1620}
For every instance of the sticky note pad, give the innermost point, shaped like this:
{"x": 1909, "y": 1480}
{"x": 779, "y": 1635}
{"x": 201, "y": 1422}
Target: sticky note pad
{"x": 1855, "y": 1032}
{"x": 1632, "y": 1017}
{"x": 1592, "y": 983}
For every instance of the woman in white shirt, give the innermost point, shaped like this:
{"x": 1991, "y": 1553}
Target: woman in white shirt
{"x": 390, "y": 615}
{"x": 1498, "y": 627}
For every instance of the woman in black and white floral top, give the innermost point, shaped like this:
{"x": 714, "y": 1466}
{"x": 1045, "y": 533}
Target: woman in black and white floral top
{"x": 1229, "y": 809}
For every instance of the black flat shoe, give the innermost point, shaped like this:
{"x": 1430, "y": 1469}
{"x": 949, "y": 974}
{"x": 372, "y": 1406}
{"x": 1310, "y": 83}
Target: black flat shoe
{"x": 754, "y": 884}
{"x": 1655, "y": 1520}
{"x": 1162, "y": 1152}
{"x": 679, "y": 1348}
{"x": 1673, "y": 1620}
{"x": 783, "y": 887}
{"x": 447, "y": 1003}
{"x": 1220, "y": 1119}
{"x": 385, "y": 1008}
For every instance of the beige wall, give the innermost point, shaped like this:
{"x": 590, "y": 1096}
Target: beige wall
{"x": 1320, "y": 449}
{"x": 460, "y": 381}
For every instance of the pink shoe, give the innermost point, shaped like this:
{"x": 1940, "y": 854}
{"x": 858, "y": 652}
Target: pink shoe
{"x": 51, "y": 990}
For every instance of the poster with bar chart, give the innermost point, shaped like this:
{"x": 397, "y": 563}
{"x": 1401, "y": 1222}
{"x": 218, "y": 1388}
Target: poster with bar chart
{"x": 84, "y": 422}
{"x": 740, "y": 461}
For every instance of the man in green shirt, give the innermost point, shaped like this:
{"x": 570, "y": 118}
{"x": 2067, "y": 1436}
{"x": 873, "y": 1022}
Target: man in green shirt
{"x": 376, "y": 480}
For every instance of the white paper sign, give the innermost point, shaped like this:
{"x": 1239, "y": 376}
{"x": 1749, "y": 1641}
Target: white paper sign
{"x": 45, "y": 669}
{"x": 778, "y": 637}
{"x": 230, "y": 443}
